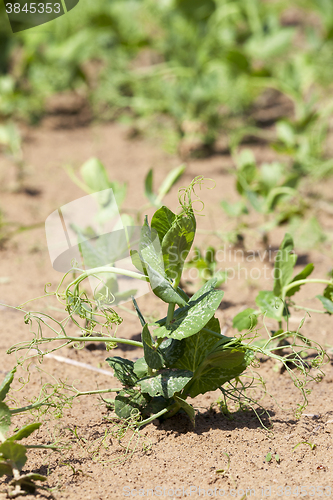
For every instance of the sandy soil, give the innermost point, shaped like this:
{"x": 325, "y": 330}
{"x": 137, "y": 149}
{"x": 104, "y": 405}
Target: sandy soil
{"x": 171, "y": 459}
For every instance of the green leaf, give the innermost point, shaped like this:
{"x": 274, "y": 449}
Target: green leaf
{"x": 270, "y": 304}
{"x": 190, "y": 319}
{"x": 138, "y": 312}
{"x": 284, "y": 265}
{"x": 300, "y": 276}
{"x": 166, "y": 383}
{"x": 157, "y": 404}
{"x": 285, "y": 132}
{"x": 176, "y": 245}
{"x": 24, "y": 431}
{"x": 163, "y": 289}
{"x": 137, "y": 262}
{"x": 140, "y": 368}
{"x": 151, "y": 257}
{"x": 327, "y": 303}
{"x": 238, "y": 60}
{"x": 268, "y": 457}
{"x": 5, "y": 469}
{"x": 307, "y": 233}
{"x": 170, "y": 180}
{"x": 172, "y": 350}
{"x": 149, "y": 194}
{"x": 328, "y": 292}
{"x": 5, "y": 419}
{"x": 94, "y": 175}
{"x": 255, "y": 201}
{"x": 129, "y": 402}
{"x": 14, "y": 452}
{"x": 162, "y": 221}
{"x": 187, "y": 408}
{"x": 5, "y": 386}
{"x": 107, "y": 248}
{"x": 223, "y": 364}
{"x": 245, "y": 320}
{"x": 123, "y": 370}
{"x": 153, "y": 357}
{"x": 198, "y": 346}
{"x": 234, "y": 209}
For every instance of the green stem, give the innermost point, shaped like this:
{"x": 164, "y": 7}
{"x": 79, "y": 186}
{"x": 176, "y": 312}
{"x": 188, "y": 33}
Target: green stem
{"x": 106, "y": 269}
{"x": 303, "y": 282}
{"x": 171, "y": 307}
{"x": 308, "y": 309}
{"x": 150, "y": 419}
{"x": 97, "y": 339}
{"x": 30, "y": 407}
{"x": 99, "y": 391}
{"x": 171, "y": 310}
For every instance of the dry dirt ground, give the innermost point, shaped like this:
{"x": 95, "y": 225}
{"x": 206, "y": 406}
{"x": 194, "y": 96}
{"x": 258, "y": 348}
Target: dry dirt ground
{"x": 220, "y": 457}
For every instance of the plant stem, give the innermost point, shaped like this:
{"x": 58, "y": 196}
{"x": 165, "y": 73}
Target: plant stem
{"x": 303, "y": 282}
{"x": 97, "y": 339}
{"x": 153, "y": 417}
{"x": 171, "y": 307}
{"x": 308, "y": 309}
{"x": 99, "y": 391}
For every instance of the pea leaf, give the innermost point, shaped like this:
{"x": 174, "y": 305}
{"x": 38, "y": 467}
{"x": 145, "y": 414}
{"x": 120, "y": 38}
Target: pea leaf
{"x": 94, "y": 175}
{"x": 25, "y": 431}
{"x": 170, "y": 180}
{"x": 5, "y": 469}
{"x": 123, "y": 370}
{"x": 166, "y": 383}
{"x": 140, "y": 368}
{"x": 163, "y": 289}
{"x": 128, "y": 400}
{"x": 153, "y": 357}
{"x": 300, "y": 276}
{"x": 5, "y": 386}
{"x": 151, "y": 257}
{"x": 172, "y": 350}
{"x": 190, "y": 319}
{"x": 245, "y": 320}
{"x": 176, "y": 245}
{"x": 5, "y": 419}
{"x": 219, "y": 367}
{"x": 270, "y": 304}
{"x": 162, "y": 221}
{"x": 14, "y": 452}
{"x": 327, "y": 303}
{"x": 198, "y": 346}
{"x": 187, "y": 408}
{"x": 150, "y": 195}
{"x": 284, "y": 265}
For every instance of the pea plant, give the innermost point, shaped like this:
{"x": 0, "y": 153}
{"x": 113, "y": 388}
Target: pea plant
{"x": 184, "y": 353}
{"x": 276, "y": 303}
{"x": 206, "y": 266}
{"x": 12, "y": 453}
{"x": 273, "y": 191}
{"x": 94, "y": 178}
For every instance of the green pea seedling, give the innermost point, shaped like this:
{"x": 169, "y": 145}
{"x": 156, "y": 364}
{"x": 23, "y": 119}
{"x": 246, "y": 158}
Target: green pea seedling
{"x": 276, "y": 303}
{"x": 184, "y": 353}
{"x": 13, "y": 453}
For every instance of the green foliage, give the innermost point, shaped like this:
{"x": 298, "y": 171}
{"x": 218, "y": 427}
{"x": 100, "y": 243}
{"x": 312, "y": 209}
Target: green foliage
{"x": 276, "y": 303}
{"x": 207, "y": 266}
{"x": 184, "y": 353}
{"x": 197, "y": 65}
{"x": 13, "y": 454}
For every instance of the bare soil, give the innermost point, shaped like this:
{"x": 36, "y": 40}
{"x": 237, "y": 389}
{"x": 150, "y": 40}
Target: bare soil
{"x": 171, "y": 459}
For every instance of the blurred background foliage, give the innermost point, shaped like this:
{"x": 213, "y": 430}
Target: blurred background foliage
{"x": 190, "y": 68}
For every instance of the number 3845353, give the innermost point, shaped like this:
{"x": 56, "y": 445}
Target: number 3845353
{"x": 33, "y": 8}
